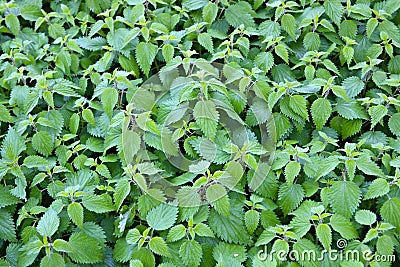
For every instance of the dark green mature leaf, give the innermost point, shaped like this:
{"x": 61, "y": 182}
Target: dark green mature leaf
{"x": 344, "y": 197}
{"x": 290, "y": 197}
{"x": 240, "y": 13}
{"x": 231, "y": 228}
{"x": 42, "y": 143}
{"x": 7, "y": 226}
{"x": 191, "y": 252}
{"x": 85, "y": 249}
{"x": 389, "y": 211}
{"x": 292, "y": 105}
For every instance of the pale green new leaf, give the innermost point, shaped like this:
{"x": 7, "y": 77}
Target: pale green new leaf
{"x": 49, "y": 223}
{"x": 98, "y": 203}
{"x": 145, "y": 54}
{"x": 343, "y": 226}
{"x": 109, "y": 99}
{"x": 42, "y": 143}
{"x": 365, "y": 217}
{"x": 321, "y": 110}
{"x": 158, "y": 246}
{"x": 162, "y": 217}
{"x": 75, "y": 213}
{"x": 324, "y": 234}
{"x": 377, "y": 188}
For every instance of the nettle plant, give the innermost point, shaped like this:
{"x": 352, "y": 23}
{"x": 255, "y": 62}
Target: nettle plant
{"x": 101, "y": 165}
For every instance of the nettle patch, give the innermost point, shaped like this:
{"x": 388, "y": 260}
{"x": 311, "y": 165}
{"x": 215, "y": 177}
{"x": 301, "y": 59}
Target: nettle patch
{"x": 199, "y": 133}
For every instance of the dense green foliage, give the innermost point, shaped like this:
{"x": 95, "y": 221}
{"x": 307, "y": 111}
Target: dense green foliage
{"x": 75, "y": 121}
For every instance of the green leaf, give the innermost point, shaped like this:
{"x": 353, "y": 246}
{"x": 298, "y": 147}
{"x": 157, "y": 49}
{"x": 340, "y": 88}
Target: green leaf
{"x": 353, "y": 86}
{"x": 158, "y": 246}
{"x": 42, "y": 143}
{"x": 145, "y": 256}
{"x": 48, "y": 224}
{"x": 133, "y": 236}
{"x": 304, "y": 246}
{"x": 311, "y": 41}
{"x": 230, "y": 229}
{"x": 88, "y": 116}
{"x": 62, "y": 246}
{"x": 240, "y": 13}
{"x": 365, "y": 217}
{"x": 367, "y": 166}
{"x": 377, "y": 188}
{"x": 202, "y": 229}
{"x": 168, "y": 52}
{"x": 194, "y": 4}
{"x": 162, "y": 217}
{"x": 85, "y": 249}
{"x": 371, "y": 26}
{"x": 7, "y": 227}
{"x": 351, "y": 110}
{"x": 390, "y": 210}
{"x": 75, "y": 213}
{"x": 13, "y": 145}
{"x": 377, "y": 113}
{"x": 210, "y": 12}
{"x": 122, "y": 190}
{"x": 344, "y": 197}
{"x": 215, "y": 192}
{"x": 104, "y": 63}
{"x": 109, "y": 99}
{"x": 282, "y": 52}
{"x": 321, "y": 110}
{"x": 53, "y": 259}
{"x": 348, "y": 28}
{"x": 6, "y": 199}
{"x": 348, "y": 54}
{"x": 299, "y": 105}
{"x": 292, "y": 169}
{"x": 145, "y": 54}
{"x": 63, "y": 61}
{"x": 98, "y": 203}
{"x": 5, "y": 114}
{"x": 130, "y": 145}
{"x": 324, "y": 235}
{"x": 206, "y": 117}
{"x": 343, "y": 226}
{"x": 191, "y": 253}
{"x": 290, "y": 197}
{"x": 74, "y": 123}
{"x": 288, "y": 23}
{"x": 12, "y": 23}
{"x": 176, "y": 233}
{"x": 206, "y": 41}
{"x": 251, "y": 219}
{"x": 334, "y": 10}
{"x": 264, "y": 61}
{"x": 394, "y": 124}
